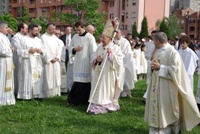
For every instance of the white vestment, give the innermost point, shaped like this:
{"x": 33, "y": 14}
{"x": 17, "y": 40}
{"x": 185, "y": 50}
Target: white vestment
{"x": 130, "y": 76}
{"x": 138, "y": 59}
{"x": 111, "y": 81}
{"x": 190, "y": 61}
{"x": 170, "y": 98}
{"x": 63, "y": 67}
{"x": 83, "y": 59}
{"x": 16, "y": 43}
{"x": 52, "y": 77}
{"x": 6, "y": 72}
{"x": 30, "y": 72}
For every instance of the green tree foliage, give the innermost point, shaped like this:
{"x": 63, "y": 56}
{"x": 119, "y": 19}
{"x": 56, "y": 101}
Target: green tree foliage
{"x": 164, "y": 27}
{"x": 174, "y": 28}
{"x": 134, "y": 30}
{"x": 86, "y": 11}
{"x": 144, "y": 28}
{"x": 25, "y": 18}
{"x": 12, "y": 22}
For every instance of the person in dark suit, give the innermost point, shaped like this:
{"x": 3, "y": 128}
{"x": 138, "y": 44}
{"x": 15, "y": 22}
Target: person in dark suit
{"x": 66, "y": 38}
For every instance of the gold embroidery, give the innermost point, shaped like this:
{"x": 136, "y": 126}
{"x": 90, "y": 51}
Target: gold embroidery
{"x": 9, "y": 75}
{"x": 8, "y": 89}
{"x": 34, "y": 75}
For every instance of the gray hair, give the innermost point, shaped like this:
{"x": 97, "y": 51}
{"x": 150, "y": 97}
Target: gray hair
{"x": 3, "y": 24}
{"x": 161, "y": 37}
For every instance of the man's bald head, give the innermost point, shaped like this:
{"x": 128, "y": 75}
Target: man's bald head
{"x": 90, "y": 29}
{"x": 181, "y": 34}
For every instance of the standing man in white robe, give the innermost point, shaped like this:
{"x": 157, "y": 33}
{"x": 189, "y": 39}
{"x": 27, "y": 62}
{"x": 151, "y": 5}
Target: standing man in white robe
{"x": 6, "y": 68}
{"x": 105, "y": 92}
{"x": 30, "y": 72}
{"x": 62, "y": 63}
{"x": 130, "y": 76}
{"x": 52, "y": 78}
{"x": 16, "y": 43}
{"x": 170, "y": 103}
{"x": 83, "y": 47}
{"x": 189, "y": 57}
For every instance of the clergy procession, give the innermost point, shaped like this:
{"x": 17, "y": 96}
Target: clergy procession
{"x": 96, "y": 74}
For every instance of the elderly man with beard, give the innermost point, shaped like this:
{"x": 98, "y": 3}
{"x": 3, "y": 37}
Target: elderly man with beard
{"x": 30, "y": 80}
{"x": 105, "y": 92}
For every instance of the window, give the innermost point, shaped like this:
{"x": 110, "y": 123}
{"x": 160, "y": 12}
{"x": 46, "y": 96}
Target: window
{"x": 192, "y": 29}
{"x": 126, "y": 15}
{"x": 112, "y": 16}
{"x": 122, "y": 17}
{"x": 122, "y": 27}
{"x": 134, "y": 2}
{"x": 112, "y": 4}
{"x": 123, "y": 4}
{"x": 133, "y": 15}
{"x": 126, "y": 2}
{"x": 125, "y": 27}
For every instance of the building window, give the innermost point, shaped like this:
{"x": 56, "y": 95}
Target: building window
{"x": 125, "y": 27}
{"x": 134, "y": 2}
{"x": 112, "y": 4}
{"x": 126, "y": 2}
{"x": 123, "y": 4}
{"x": 122, "y": 27}
{"x": 41, "y": 1}
{"x": 126, "y": 15}
{"x": 133, "y": 15}
{"x": 112, "y": 16}
{"x": 192, "y": 29}
{"x": 122, "y": 17}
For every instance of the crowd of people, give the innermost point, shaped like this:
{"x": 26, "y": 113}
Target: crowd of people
{"x": 97, "y": 73}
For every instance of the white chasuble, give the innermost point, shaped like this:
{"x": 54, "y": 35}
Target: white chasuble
{"x": 111, "y": 81}
{"x": 170, "y": 98}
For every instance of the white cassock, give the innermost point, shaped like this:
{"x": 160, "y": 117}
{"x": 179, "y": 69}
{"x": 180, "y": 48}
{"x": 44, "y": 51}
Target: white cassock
{"x": 52, "y": 77}
{"x": 30, "y": 71}
{"x": 130, "y": 76}
{"x": 16, "y": 43}
{"x": 190, "y": 61}
{"x": 63, "y": 67}
{"x": 6, "y": 72}
{"x": 110, "y": 84}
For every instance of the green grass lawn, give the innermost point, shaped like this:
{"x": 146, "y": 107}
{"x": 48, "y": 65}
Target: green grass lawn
{"x": 53, "y": 116}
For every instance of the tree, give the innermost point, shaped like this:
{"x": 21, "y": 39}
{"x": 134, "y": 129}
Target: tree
{"x": 86, "y": 11}
{"x": 12, "y": 22}
{"x": 174, "y": 28}
{"x": 134, "y": 30}
{"x": 144, "y": 28}
{"x": 25, "y": 18}
{"x": 164, "y": 27}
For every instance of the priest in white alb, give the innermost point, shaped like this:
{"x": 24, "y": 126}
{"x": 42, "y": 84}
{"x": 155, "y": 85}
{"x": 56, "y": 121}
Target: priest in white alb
{"x": 170, "y": 103}
{"x": 105, "y": 92}
{"x": 82, "y": 48}
{"x": 6, "y": 68}
{"x": 30, "y": 69}
{"x": 52, "y": 77}
{"x": 16, "y": 43}
{"x": 130, "y": 76}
